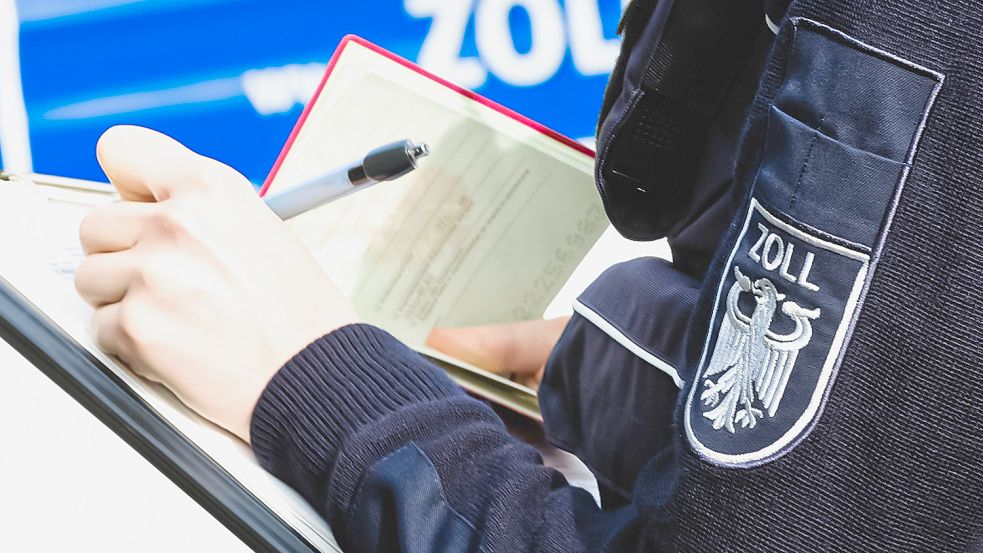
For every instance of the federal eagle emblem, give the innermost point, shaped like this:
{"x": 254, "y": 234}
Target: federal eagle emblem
{"x": 751, "y": 365}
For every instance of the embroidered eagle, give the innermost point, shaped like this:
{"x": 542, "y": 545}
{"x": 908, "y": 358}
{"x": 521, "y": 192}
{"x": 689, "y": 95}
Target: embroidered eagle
{"x": 751, "y": 363}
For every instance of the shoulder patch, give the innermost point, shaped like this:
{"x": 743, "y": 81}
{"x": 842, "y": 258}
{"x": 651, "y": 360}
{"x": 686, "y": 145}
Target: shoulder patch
{"x": 842, "y": 132}
{"x": 782, "y": 312}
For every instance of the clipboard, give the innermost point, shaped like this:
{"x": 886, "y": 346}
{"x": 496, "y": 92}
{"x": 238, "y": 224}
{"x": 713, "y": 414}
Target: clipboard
{"x": 101, "y": 392}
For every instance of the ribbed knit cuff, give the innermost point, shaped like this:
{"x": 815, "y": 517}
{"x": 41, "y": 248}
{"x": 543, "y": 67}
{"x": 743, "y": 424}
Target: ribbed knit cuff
{"x": 342, "y": 381}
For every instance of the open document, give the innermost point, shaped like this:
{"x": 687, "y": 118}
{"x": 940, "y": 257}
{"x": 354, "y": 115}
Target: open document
{"x": 487, "y": 230}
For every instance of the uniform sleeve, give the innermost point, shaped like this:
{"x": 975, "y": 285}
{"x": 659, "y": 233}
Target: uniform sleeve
{"x": 612, "y": 382}
{"x": 397, "y": 458}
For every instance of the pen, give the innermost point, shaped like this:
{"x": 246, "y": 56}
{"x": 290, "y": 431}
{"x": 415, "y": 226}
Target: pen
{"x": 386, "y": 163}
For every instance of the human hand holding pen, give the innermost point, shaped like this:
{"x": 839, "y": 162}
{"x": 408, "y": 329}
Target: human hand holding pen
{"x": 195, "y": 282}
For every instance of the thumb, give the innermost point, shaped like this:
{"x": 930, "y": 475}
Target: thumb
{"x": 148, "y": 166}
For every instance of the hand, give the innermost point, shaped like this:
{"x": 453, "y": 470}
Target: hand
{"x": 515, "y": 350}
{"x": 195, "y": 282}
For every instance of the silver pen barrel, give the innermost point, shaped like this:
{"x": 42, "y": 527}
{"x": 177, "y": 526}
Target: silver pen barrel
{"x": 310, "y": 194}
{"x": 382, "y": 164}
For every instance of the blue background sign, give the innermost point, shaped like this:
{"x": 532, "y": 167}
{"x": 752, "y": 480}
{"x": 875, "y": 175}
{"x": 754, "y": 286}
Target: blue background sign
{"x": 230, "y": 77}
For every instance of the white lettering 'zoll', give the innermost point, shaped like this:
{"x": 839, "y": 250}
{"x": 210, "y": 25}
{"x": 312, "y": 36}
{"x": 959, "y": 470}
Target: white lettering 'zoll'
{"x": 551, "y": 24}
{"x": 441, "y": 50}
{"x": 772, "y": 244}
{"x": 592, "y": 53}
{"x": 804, "y": 273}
{"x": 783, "y": 271}
{"x": 772, "y": 252}
{"x": 494, "y": 37}
{"x": 754, "y": 252}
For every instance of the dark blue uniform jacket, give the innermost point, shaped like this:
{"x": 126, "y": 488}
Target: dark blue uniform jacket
{"x": 803, "y": 376}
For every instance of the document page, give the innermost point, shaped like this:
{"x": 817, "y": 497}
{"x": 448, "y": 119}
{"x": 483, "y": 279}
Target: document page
{"x": 38, "y": 256}
{"x": 489, "y": 227}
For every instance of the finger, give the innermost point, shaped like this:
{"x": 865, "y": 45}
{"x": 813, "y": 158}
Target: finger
{"x": 531, "y": 381}
{"x": 148, "y": 166}
{"x": 486, "y": 347}
{"x": 111, "y": 335}
{"x": 521, "y": 348}
{"x": 107, "y": 331}
{"x": 114, "y": 227}
{"x": 104, "y": 278}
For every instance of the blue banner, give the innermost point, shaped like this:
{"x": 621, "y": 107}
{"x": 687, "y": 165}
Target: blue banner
{"x": 230, "y": 77}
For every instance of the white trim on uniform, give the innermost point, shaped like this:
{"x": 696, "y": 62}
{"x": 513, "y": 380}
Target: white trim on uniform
{"x": 604, "y": 326}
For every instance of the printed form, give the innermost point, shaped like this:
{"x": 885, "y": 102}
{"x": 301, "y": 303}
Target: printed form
{"x": 488, "y": 229}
